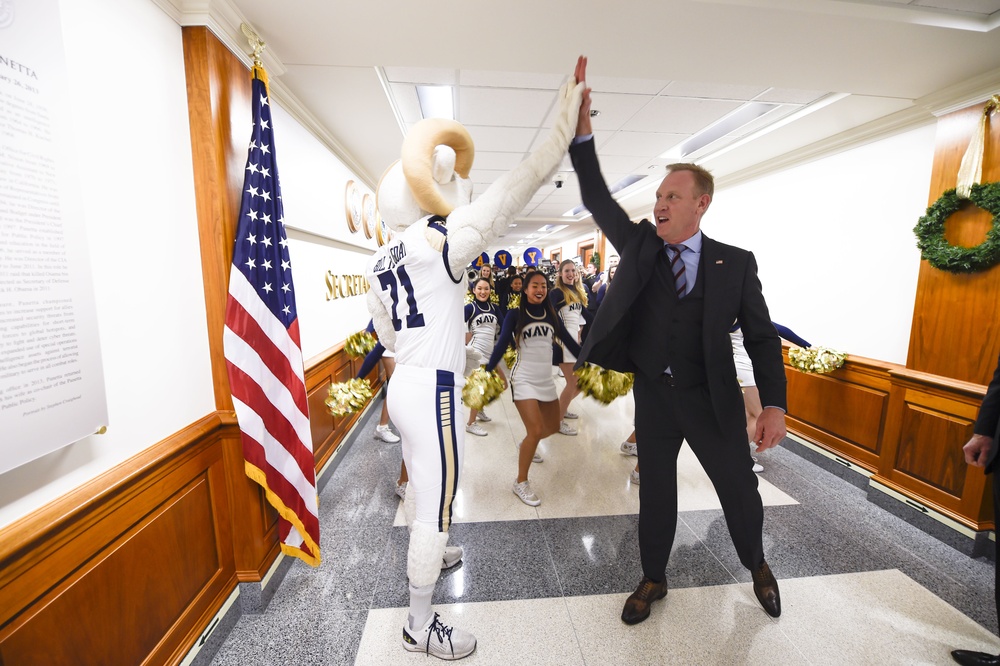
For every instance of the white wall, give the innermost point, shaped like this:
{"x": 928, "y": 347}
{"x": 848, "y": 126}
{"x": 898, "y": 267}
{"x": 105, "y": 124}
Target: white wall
{"x": 125, "y": 62}
{"x": 834, "y": 242}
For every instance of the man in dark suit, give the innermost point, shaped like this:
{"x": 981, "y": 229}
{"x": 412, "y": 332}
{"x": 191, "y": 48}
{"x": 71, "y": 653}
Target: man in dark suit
{"x": 981, "y": 451}
{"x": 666, "y": 317}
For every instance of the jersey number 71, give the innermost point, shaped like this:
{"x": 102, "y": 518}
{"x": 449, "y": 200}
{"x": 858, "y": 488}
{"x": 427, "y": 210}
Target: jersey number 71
{"x": 388, "y": 281}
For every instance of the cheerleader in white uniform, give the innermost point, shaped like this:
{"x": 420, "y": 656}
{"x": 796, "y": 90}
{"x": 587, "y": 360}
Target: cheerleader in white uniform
{"x": 532, "y": 328}
{"x": 569, "y": 300}
{"x": 482, "y": 319}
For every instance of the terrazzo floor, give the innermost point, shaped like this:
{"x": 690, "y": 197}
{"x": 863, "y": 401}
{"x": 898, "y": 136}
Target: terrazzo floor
{"x": 545, "y": 585}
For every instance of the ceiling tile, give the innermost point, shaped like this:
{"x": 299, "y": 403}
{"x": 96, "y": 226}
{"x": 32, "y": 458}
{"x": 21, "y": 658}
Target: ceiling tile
{"x": 495, "y": 160}
{"x": 618, "y": 163}
{"x": 984, "y": 7}
{"x": 679, "y": 116}
{"x": 712, "y": 91}
{"x": 608, "y": 84}
{"x": 424, "y": 75}
{"x": 501, "y": 139}
{"x": 640, "y": 144}
{"x": 615, "y": 110}
{"x": 485, "y": 176}
{"x": 790, "y": 96}
{"x": 510, "y": 79}
{"x": 503, "y": 107}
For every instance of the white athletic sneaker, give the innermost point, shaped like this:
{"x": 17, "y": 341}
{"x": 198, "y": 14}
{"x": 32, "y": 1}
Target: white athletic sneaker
{"x": 525, "y": 494}
{"x": 757, "y": 467}
{"x": 634, "y": 477}
{"x": 452, "y": 556}
{"x": 629, "y": 448}
{"x": 382, "y": 432}
{"x": 439, "y": 640}
{"x": 476, "y": 429}
{"x": 537, "y": 458}
{"x": 566, "y": 429}
{"x": 571, "y": 415}
{"x": 401, "y": 490}
{"x": 481, "y": 416}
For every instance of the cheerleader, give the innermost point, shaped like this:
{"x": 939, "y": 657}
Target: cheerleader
{"x": 482, "y": 319}
{"x": 569, "y": 300}
{"x": 531, "y": 328}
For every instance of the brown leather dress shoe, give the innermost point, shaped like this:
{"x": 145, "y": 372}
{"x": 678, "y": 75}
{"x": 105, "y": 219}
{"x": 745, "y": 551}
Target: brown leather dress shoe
{"x": 970, "y": 658}
{"x": 637, "y": 605}
{"x": 766, "y": 589}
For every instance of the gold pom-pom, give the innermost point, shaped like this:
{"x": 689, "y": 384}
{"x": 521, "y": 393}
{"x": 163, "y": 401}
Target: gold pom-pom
{"x": 469, "y": 297}
{"x": 603, "y": 385}
{"x": 482, "y": 388}
{"x": 494, "y": 298}
{"x": 359, "y": 344}
{"x": 510, "y": 357}
{"x": 348, "y": 397}
{"x": 819, "y": 360}
{"x": 514, "y": 301}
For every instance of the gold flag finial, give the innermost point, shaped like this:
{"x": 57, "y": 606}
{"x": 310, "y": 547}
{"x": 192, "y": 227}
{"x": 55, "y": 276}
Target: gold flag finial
{"x": 256, "y": 43}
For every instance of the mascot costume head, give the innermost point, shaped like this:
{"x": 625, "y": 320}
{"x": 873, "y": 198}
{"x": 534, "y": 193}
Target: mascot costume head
{"x": 432, "y": 176}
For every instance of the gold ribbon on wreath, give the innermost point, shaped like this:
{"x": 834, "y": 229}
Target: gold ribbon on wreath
{"x": 971, "y": 170}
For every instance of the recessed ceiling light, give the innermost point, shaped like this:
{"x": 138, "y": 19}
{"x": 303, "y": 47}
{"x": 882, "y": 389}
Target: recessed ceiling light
{"x": 436, "y": 101}
{"x": 511, "y": 225}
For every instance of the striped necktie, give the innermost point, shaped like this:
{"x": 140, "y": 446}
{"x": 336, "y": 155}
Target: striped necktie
{"x": 677, "y": 268}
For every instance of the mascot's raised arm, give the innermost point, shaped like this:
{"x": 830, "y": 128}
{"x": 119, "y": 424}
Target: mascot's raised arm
{"x": 432, "y": 180}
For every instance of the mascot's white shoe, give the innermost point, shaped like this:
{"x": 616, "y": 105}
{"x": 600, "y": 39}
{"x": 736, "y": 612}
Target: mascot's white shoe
{"x": 452, "y": 556}
{"x": 439, "y": 640}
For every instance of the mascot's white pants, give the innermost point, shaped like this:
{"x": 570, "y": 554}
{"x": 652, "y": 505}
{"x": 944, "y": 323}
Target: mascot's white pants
{"x": 425, "y": 405}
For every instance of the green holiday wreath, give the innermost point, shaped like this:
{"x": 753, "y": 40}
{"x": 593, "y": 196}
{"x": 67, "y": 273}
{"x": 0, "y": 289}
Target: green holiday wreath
{"x": 953, "y": 258}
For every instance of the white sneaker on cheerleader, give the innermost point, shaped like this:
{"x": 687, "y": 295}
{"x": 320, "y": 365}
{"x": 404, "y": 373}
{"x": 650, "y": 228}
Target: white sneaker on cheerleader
{"x": 452, "y": 556}
{"x": 571, "y": 415}
{"x": 566, "y": 429}
{"x": 476, "y": 429}
{"x": 481, "y": 416}
{"x": 401, "y": 490}
{"x": 757, "y": 467}
{"x": 525, "y": 494}
{"x": 634, "y": 477}
{"x": 439, "y": 640}
{"x": 382, "y": 432}
{"x": 629, "y": 448}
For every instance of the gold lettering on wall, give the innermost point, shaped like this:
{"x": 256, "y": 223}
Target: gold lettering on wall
{"x": 345, "y": 286}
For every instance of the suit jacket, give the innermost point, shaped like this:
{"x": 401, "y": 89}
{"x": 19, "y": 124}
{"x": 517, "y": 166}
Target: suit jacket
{"x": 731, "y": 291}
{"x": 988, "y": 421}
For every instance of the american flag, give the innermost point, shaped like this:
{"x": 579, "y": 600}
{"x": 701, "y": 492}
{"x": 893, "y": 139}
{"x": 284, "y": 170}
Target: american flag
{"x": 262, "y": 348}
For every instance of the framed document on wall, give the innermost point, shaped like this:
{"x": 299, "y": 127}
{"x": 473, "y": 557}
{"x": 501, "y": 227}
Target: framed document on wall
{"x": 353, "y": 206}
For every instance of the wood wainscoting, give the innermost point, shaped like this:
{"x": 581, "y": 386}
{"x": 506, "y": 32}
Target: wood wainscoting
{"x": 906, "y": 428}
{"x": 131, "y": 567}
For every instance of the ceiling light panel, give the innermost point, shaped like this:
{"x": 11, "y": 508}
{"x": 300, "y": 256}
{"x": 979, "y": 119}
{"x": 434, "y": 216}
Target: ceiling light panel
{"x": 436, "y": 101}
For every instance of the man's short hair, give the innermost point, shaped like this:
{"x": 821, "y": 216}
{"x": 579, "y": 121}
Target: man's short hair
{"x": 703, "y": 180}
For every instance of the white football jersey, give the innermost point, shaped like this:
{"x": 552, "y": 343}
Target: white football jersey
{"x": 411, "y": 278}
